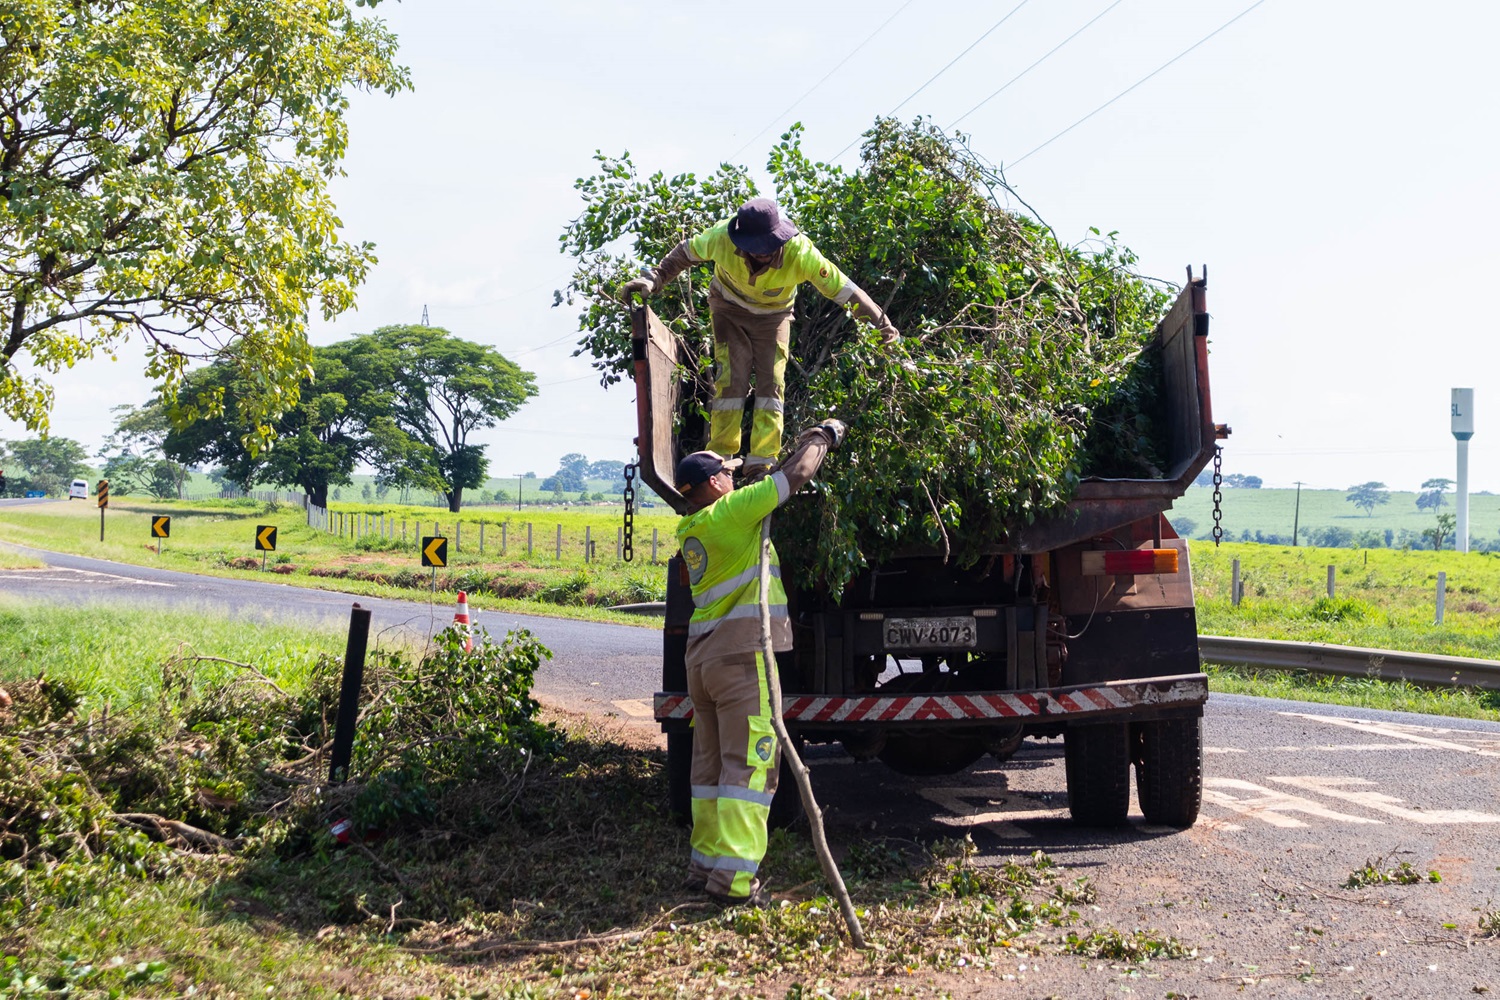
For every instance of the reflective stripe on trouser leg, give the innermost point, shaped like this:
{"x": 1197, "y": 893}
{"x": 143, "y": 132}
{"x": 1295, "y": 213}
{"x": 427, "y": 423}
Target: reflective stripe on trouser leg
{"x": 730, "y": 813}
{"x": 770, "y": 346}
{"x": 703, "y": 775}
{"x": 734, "y": 359}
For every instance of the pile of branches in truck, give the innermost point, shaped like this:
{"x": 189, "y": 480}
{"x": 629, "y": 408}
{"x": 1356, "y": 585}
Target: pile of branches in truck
{"x": 1024, "y": 367}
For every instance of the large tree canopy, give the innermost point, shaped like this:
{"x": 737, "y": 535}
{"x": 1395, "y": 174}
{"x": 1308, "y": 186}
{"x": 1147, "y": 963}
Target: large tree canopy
{"x": 445, "y": 389}
{"x": 1018, "y": 349}
{"x": 343, "y": 417}
{"x": 164, "y": 169}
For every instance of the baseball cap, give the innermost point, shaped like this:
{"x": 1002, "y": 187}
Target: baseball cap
{"x": 699, "y": 467}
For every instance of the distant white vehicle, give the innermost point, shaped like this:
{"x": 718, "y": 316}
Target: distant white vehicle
{"x": 79, "y": 490}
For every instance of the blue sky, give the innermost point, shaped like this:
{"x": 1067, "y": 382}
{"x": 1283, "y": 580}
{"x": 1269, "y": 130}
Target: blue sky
{"x": 1332, "y": 164}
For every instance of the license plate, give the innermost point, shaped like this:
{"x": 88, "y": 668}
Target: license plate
{"x": 930, "y": 633}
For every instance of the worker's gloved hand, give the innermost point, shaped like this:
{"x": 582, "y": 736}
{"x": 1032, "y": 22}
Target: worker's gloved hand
{"x": 888, "y": 332}
{"x": 834, "y": 429}
{"x": 641, "y": 286}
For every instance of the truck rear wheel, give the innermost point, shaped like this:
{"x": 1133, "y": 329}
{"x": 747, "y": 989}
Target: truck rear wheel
{"x": 1169, "y": 771}
{"x": 786, "y": 804}
{"x": 1098, "y": 766}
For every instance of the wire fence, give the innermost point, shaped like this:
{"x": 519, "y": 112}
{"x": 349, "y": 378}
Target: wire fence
{"x": 528, "y": 539}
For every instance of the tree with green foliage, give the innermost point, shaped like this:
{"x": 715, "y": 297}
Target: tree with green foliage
{"x": 343, "y": 417}
{"x": 1439, "y": 532}
{"x": 1368, "y": 496}
{"x": 134, "y": 461}
{"x": 445, "y": 388}
{"x": 1432, "y": 496}
{"x": 48, "y": 463}
{"x": 1022, "y": 368}
{"x": 164, "y": 173}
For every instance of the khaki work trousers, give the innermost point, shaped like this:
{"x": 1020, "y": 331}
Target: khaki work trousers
{"x": 734, "y": 770}
{"x": 746, "y": 342}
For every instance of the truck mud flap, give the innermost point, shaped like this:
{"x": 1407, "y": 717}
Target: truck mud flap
{"x": 1151, "y": 697}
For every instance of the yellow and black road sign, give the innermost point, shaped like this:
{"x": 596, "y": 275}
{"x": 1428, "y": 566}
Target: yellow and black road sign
{"x": 265, "y": 538}
{"x": 161, "y": 526}
{"x": 103, "y": 491}
{"x": 434, "y": 550}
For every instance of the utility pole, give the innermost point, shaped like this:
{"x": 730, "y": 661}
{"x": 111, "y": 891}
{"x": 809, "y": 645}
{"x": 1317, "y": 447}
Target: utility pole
{"x": 1296, "y": 513}
{"x": 520, "y": 483}
{"x": 424, "y": 316}
{"x": 1462, "y": 410}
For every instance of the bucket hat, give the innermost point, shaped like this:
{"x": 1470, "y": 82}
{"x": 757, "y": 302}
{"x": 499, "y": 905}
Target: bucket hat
{"x": 759, "y": 227}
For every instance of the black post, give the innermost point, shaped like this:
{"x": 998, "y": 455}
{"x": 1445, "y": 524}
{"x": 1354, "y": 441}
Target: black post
{"x": 354, "y": 679}
{"x": 1296, "y": 513}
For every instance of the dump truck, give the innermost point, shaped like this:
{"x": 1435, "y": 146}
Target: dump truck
{"x": 1080, "y": 624}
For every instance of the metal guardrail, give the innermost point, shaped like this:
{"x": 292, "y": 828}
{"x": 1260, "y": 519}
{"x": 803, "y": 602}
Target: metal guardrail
{"x": 1352, "y": 661}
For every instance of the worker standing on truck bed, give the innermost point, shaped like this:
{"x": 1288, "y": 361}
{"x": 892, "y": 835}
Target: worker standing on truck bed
{"x": 759, "y": 260}
{"x": 735, "y": 754}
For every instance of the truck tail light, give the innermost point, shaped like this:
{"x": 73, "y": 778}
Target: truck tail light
{"x": 1132, "y": 562}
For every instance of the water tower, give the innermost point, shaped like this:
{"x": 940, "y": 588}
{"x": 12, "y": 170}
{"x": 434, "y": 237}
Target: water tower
{"x": 1463, "y": 429}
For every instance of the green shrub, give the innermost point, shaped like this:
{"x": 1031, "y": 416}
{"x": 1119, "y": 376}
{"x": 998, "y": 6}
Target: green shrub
{"x": 1339, "y": 609}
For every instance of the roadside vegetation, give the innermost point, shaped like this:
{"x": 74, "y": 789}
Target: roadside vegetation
{"x": 175, "y": 833}
{"x": 378, "y": 552}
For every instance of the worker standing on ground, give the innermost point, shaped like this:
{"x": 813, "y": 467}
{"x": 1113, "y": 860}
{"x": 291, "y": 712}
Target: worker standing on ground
{"x": 760, "y": 259}
{"x": 735, "y": 752}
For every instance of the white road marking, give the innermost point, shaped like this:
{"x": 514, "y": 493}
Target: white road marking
{"x": 1000, "y": 822}
{"x": 1412, "y": 734}
{"x": 73, "y": 575}
{"x": 1269, "y": 805}
{"x": 1380, "y": 802}
{"x": 635, "y": 707}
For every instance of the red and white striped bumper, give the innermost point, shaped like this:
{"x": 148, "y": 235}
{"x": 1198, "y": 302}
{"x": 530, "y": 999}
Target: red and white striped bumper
{"x": 1181, "y": 691}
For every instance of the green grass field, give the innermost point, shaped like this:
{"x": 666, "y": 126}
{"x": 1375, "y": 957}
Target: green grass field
{"x": 376, "y": 550}
{"x": 1271, "y": 513}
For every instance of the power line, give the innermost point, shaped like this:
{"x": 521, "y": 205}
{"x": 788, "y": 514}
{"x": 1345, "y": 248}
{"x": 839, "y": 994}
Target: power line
{"x": 956, "y": 58}
{"x": 1142, "y": 80}
{"x": 940, "y": 72}
{"x": 1034, "y": 65}
{"x": 824, "y": 79}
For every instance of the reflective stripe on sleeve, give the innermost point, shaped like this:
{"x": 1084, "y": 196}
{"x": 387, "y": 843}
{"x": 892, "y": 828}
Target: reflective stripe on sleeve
{"x": 767, "y": 403}
{"x": 846, "y": 293}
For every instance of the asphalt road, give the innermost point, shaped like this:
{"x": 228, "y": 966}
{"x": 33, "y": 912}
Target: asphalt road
{"x": 1297, "y": 797}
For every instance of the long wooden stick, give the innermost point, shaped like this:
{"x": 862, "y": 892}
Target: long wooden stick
{"x": 799, "y": 769}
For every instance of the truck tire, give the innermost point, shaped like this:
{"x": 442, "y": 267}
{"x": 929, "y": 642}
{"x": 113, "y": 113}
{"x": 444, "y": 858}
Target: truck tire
{"x": 1098, "y": 766}
{"x": 1169, "y": 771}
{"x": 679, "y": 777}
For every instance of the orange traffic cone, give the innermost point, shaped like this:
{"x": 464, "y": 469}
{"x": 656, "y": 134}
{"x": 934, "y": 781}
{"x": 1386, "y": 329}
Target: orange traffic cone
{"x": 461, "y": 617}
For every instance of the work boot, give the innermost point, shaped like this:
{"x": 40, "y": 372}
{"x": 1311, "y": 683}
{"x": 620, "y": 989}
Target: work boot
{"x": 759, "y": 897}
{"x": 696, "y": 879}
{"x": 756, "y": 469}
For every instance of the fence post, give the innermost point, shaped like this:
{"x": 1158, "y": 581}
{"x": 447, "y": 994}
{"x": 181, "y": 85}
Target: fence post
{"x": 653, "y": 546}
{"x": 1330, "y": 581}
{"x": 353, "y": 680}
{"x": 481, "y": 539}
{"x": 588, "y": 543}
{"x": 458, "y": 536}
{"x": 528, "y": 539}
{"x": 619, "y": 544}
{"x": 1234, "y": 586}
{"x": 403, "y": 531}
{"x": 559, "y": 543}
{"x": 1442, "y": 586}
{"x": 502, "y": 536}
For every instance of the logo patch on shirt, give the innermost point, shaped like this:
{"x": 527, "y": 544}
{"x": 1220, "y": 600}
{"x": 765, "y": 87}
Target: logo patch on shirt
{"x": 696, "y": 557}
{"x": 823, "y": 272}
{"x": 763, "y": 748}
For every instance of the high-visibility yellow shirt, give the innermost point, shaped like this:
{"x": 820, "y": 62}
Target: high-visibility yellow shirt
{"x": 774, "y": 289}
{"x": 721, "y": 547}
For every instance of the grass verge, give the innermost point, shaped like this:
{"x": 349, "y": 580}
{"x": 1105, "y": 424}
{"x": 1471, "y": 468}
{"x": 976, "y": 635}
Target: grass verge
{"x": 1355, "y": 692}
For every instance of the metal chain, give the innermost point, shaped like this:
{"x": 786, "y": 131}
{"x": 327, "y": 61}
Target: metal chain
{"x": 1218, "y": 494}
{"x": 628, "y": 551}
